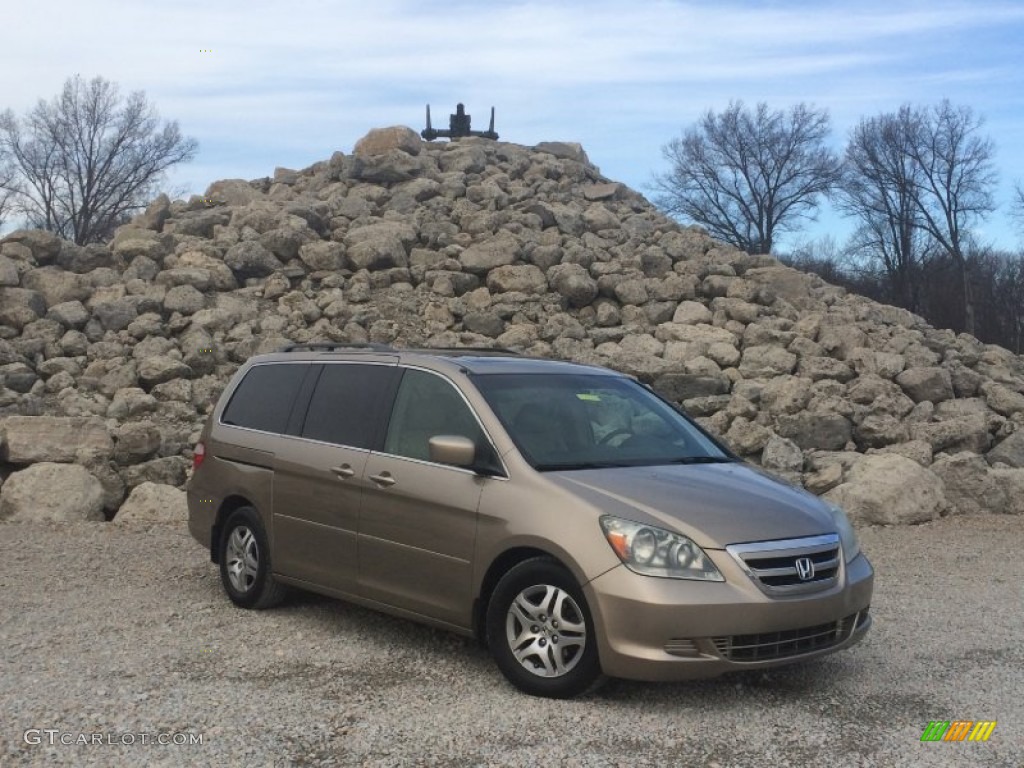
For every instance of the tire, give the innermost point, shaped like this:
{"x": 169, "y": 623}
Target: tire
{"x": 245, "y": 562}
{"x": 540, "y": 631}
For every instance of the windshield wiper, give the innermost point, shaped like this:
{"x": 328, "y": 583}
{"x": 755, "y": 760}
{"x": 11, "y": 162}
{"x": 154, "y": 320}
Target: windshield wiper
{"x": 568, "y": 466}
{"x": 701, "y": 460}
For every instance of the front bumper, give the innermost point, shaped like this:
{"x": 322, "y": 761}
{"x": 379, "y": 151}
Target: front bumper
{"x": 672, "y": 629}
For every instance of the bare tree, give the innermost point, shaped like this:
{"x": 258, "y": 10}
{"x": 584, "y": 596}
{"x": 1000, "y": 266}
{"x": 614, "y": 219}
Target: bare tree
{"x": 87, "y": 159}
{"x": 747, "y": 176}
{"x": 1017, "y": 204}
{"x": 954, "y": 190}
{"x": 6, "y": 194}
{"x": 878, "y": 188}
{"x": 8, "y": 186}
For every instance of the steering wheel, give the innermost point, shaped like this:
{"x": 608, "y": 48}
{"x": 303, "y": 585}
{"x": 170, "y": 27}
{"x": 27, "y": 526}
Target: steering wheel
{"x": 614, "y": 433}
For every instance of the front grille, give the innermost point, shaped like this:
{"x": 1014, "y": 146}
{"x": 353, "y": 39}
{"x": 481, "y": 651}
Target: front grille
{"x": 789, "y": 642}
{"x": 792, "y": 565}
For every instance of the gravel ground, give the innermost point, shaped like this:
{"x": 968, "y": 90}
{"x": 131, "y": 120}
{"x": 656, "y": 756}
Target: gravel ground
{"x": 125, "y": 631}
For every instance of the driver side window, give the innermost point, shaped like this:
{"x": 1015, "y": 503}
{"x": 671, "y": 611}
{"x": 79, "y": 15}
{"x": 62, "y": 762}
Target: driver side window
{"x": 427, "y": 405}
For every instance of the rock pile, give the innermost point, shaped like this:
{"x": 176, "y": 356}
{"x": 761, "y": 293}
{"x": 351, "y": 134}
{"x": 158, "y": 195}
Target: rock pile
{"x": 112, "y": 355}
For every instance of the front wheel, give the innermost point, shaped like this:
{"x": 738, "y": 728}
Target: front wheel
{"x": 245, "y": 562}
{"x": 540, "y": 630}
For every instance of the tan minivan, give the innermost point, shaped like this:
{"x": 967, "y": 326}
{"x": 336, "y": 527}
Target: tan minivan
{"x": 566, "y": 515}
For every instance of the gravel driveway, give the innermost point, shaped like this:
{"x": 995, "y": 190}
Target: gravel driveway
{"x": 119, "y": 634}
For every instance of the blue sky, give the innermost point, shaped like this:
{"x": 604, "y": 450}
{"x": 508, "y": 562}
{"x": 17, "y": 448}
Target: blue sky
{"x": 287, "y": 84}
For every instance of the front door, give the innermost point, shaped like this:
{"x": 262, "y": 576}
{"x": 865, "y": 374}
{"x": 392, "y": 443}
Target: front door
{"x": 418, "y": 522}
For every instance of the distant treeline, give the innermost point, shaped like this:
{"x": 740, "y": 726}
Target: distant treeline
{"x": 936, "y": 293}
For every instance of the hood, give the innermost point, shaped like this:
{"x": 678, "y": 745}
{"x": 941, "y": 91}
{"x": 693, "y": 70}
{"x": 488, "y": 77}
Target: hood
{"x": 713, "y": 504}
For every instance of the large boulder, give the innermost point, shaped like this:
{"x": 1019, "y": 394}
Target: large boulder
{"x": 748, "y": 438}
{"x": 684, "y": 386}
{"x": 153, "y": 503}
{"x": 135, "y": 442}
{"x": 970, "y": 432}
{"x": 691, "y": 313}
{"x": 778, "y": 282}
{"x": 765, "y": 360}
{"x": 786, "y": 394}
{"x": 160, "y": 368}
{"x": 45, "y": 246}
{"x": 574, "y": 283}
{"x": 9, "y": 276}
{"x": 1002, "y": 399}
{"x": 480, "y": 258}
{"x": 890, "y": 489}
{"x": 813, "y": 430}
{"x": 55, "y": 285}
{"x": 782, "y": 454}
{"x": 323, "y": 255}
{"x": 1010, "y": 451}
{"x": 156, "y": 213}
{"x": 565, "y": 150}
{"x": 463, "y": 157}
{"x": 381, "y": 140}
{"x": 379, "y": 246}
{"x": 522, "y": 278}
{"x": 169, "y": 470}
{"x": 1012, "y": 483}
{"x": 231, "y": 192}
{"x": 20, "y": 306}
{"x": 184, "y": 299}
{"x": 971, "y": 485}
{"x": 71, "y": 314}
{"x": 392, "y": 166}
{"x": 60, "y": 439}
{"x": 933, "y": 384}
{"x": 52, "y": 492}
{"x": 251, "y": 259}
{"x": 116, "y": 314}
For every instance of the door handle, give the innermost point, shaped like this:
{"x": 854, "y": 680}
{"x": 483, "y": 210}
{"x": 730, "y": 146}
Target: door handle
{"x": 384, "y": 479}
{"x": 344, "y": 471}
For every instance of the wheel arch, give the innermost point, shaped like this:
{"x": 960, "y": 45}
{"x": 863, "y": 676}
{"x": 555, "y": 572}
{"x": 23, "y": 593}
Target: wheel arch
{"x": 501, "y": 565}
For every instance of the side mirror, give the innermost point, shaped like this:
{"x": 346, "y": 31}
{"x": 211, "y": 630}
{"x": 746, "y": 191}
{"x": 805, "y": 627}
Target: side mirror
{"x": 452, "y": 449}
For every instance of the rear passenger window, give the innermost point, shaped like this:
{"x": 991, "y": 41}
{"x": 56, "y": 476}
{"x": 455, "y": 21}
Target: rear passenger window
{"x": 265, "y": 397}
{"x": 346, "y": 404}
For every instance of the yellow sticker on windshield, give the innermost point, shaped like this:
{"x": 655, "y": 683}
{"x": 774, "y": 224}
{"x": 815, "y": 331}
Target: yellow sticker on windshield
{"x": 591, "y": 398}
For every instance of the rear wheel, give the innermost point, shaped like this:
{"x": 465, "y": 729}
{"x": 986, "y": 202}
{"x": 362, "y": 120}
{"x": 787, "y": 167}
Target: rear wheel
{"x": 245, "y": 562}
{"x": 540, "y": 630}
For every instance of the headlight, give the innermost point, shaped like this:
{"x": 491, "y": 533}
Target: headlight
{"x": 848, "y": 537}
{"x": 657, "y": 552}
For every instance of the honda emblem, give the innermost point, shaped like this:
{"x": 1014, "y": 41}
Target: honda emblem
{"x": 804, "y": 568}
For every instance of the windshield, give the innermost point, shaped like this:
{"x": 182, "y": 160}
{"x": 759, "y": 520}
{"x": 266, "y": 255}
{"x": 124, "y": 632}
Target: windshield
{"x": 592, "y": 421}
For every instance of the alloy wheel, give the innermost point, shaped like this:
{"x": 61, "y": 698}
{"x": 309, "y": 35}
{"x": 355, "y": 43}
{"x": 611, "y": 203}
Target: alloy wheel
{"x": 243, "y": 558}
{"x": 545, "y": 630}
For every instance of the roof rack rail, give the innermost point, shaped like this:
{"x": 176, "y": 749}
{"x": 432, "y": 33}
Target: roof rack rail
{"x": 329, "y": 346}
{"x": 476, "y": 350}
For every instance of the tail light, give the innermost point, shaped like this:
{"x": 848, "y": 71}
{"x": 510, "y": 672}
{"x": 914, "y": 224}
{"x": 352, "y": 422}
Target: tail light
{"x": 198, "y": 455}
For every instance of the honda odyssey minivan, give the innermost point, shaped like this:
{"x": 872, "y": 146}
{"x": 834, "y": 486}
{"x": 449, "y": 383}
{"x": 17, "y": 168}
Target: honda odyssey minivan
{"x": 566, "y": 515}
